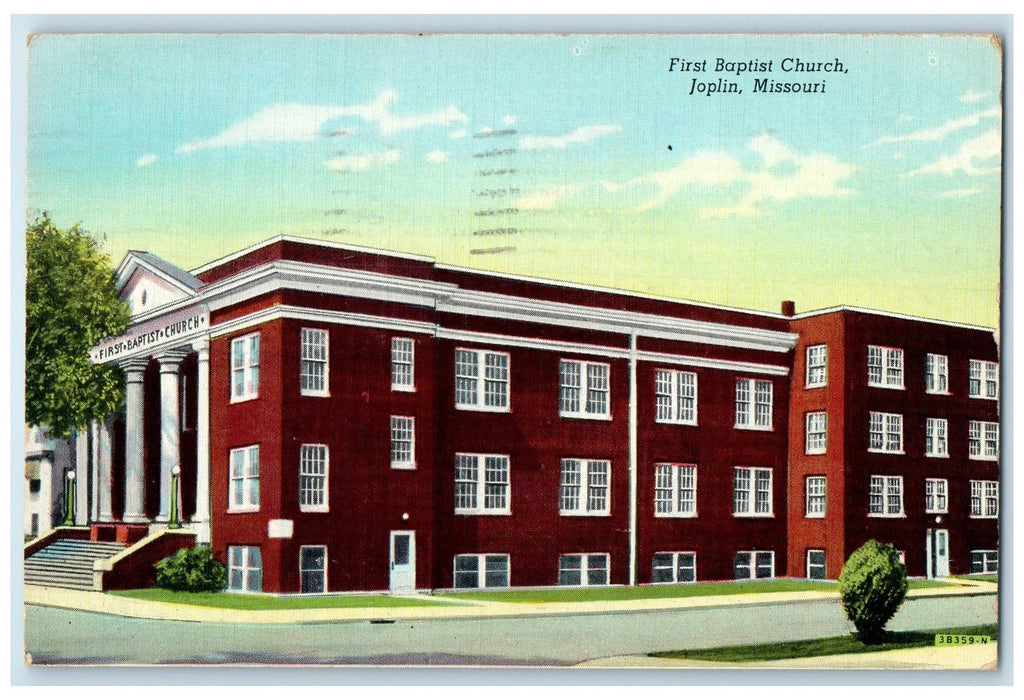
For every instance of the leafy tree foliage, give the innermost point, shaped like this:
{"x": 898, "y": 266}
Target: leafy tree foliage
{"x": 873, "y": 583}
{"x": 70, "y": 304}
{"x": 192, "y": 570}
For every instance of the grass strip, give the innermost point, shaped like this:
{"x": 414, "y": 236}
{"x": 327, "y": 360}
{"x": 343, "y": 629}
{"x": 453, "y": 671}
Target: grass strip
{"x": 236, "y": 601}
{"x": 828, "y": 646}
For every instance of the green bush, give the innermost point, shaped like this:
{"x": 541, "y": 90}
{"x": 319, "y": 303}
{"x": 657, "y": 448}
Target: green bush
{"x": 193, "y": 570}
{"x": 873, "y": 583}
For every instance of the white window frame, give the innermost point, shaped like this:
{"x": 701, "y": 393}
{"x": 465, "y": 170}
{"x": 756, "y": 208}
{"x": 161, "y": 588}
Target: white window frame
{"x": 312, "y": 482}
{"x": 752, "y": 564}
{"x": 936, "y": 495}
{"x": 884, "y": 426}
{"x": 936, "y": 373}
{"x": 309, "y": 349}
{"x": 989, "y": 561}
{"x": 675, "y": 397}
{"x": 751, "y": 411}
{"x": 983, "y": 440}
{"x": 588, "y": 391}
{"x": 483, "y": 379}
{"x": 403, "y": 355}
{"x": 586, "y": 570}
{"x": 481, "y": 489}
{"x": 816, "y": 371}
{"x": 585, "y": 489}
{"x": 303, "y": 571}
{"x": 815, "y": 433}
{"x": 240, "y": 559}
{"x": 889, "y": 367}
{"x": 815, "y": 496}
{"x": 745, "y": 498}
{"x": 676, "y": 567}
{"x": 675, "y": 490}
{"x": 403, "y": 432}
{"x": 245, "y": 365}
{"x": 984, "y": 499}
{"x": 242, "y": 498}
{"x": 482, "y": 571}
{"x": 936, "y": 437}
{"x": 885, "y": 487}
{"x": 823, "y": 565}
{"x": 983, "y": 380}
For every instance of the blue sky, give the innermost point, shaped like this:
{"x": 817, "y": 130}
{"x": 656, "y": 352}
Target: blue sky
{"x": 543, "y": 155}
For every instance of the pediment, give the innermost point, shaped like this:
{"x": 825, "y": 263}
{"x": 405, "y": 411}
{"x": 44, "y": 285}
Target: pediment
{"x": 147, "y": 282}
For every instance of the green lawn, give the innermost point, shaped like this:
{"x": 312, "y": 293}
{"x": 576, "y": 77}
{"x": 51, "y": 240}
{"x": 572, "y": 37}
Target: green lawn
{"x": 236, "y": 601}
{"x": 822, "y": 647}
{"x": 989, "y": 578}
{"x": 576, "y": 595}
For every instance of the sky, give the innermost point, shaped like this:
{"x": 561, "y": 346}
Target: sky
{"x": 581, "y": 158}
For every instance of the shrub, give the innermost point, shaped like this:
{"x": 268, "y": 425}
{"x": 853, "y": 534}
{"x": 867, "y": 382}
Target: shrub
{"x": 192, "y": 570}
{"x": 873, "y": 584}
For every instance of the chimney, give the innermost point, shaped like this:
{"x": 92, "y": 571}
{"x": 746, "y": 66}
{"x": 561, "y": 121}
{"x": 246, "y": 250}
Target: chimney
{"x": 788, "y": 308}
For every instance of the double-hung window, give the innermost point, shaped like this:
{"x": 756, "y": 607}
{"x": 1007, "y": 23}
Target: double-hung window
{"x": 403, "y": 442}
{"x": 885, "y": 496}
{"x": 815, "y": 497}
{"x": 675, "y": 491}
{"x": 244, "y": 486}
{"x": 752, "y": 492}
{"x": 481, "y": 380}
{"x": 313, "y": 471}
{"x": 984, "y": 499}
{"x": 245, "y": 367}
{"x": 936, "y": 374}
{"x": 885, "y": 367}
{"x": 313, "y": 367}
{"x": 481, "y": 571}
{"x": 885, "y": 432}
{"x": 936, "y": 496}
{"x": 403, "y": 376}
{"x": 583, "y": 389}
{"x": 817, "y": 366}
{"x": 754, "y": 404}
{"x": 313, "y": 569}
{"x": 816, "y": 433}
{"x": 753, "y": 564}
{"x": 983, "y": 440}
{"x": 584, "y": 487}
{"x": 983, "y": 379}
{"x": 984, "y": 561}
{"x": 676, "y": 396}
{"x": 935, "y": 442}
{"x": 245, "y": 569}
{"x": 583, "y": 570}
{"x": 815, "y": 563}
{"x": 481, "y": 484}
{"x": 674, "y": 567}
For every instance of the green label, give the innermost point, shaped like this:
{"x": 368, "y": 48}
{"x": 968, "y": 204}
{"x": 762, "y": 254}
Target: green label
{"x": 952, "y": 640}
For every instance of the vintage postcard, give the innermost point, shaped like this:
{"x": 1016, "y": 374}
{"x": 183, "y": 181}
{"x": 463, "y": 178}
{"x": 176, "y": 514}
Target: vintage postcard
{"x": 616, "y": 351}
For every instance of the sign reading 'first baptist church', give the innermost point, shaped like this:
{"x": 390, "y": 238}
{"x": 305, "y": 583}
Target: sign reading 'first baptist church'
{"x": 152, "y": 334}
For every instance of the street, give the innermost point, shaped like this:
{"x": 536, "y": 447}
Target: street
{"x": 56, "y": 636}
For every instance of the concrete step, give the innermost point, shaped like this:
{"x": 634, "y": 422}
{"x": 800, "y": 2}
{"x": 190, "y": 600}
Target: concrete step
{"x": 68, "y": 563}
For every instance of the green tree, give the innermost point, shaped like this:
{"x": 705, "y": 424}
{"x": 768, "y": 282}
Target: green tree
{"x": 873, "y": 583}
{"x": 70, "y": 304}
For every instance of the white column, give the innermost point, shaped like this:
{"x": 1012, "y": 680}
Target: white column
{"x": 82, "y": 474}
{"x": 104, "y": 462}
{"x": 170, "y": 426}
{"x": 94, "y": 470}
{"x": 201, "y": 520}
{"x": 632, "y": 458}
{"x": 134, "y": 446}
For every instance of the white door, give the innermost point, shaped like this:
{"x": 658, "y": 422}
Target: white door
{"x": 403, "y": 561}
{"x": 941, "y": 553}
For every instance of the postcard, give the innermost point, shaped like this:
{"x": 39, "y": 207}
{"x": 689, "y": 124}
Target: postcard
{"x": 500, "y": 350}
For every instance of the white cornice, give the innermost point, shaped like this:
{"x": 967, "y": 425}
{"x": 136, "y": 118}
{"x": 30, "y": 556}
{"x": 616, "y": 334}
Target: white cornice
{"x": 320, "y": 316}
{"x": 891, "y": 314}
{"x": 730, "y": 365}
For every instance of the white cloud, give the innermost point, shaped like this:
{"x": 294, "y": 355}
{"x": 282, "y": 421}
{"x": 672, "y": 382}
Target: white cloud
{"x": 965, "y": 192}
{"x": 971, "y": 96}
{"x": 936, "y": 133}
{"x": 971, "y": 159}
{"x": 509, "y": 119}
{"x": 145, "y": 160}
{"x": 361, "y": 161}
{"x": 545, "y": 198}
{"x": 459, "y": 133}
{"x": 811, "y": 175}
{"x": 304, "y": 122}
{"x": 437, "y": 156}
{"x": 581, "y": 135}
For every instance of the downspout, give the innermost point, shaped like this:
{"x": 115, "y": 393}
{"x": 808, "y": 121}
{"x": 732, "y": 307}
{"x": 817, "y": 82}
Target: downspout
{"x": 632, "y": 457}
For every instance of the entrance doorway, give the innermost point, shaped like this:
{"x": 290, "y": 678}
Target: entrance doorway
{"x": 937, "y": 551}
{"x": 403, "y": 561}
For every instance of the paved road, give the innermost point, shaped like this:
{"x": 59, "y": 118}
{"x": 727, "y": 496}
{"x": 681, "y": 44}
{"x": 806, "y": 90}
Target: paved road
{"x": 55, "y": 636}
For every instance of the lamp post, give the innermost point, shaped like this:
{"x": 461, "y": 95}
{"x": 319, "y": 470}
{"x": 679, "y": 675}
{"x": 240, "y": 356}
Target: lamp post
{"x": 172, "y": 521}
{"x": 69, "y": 498}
